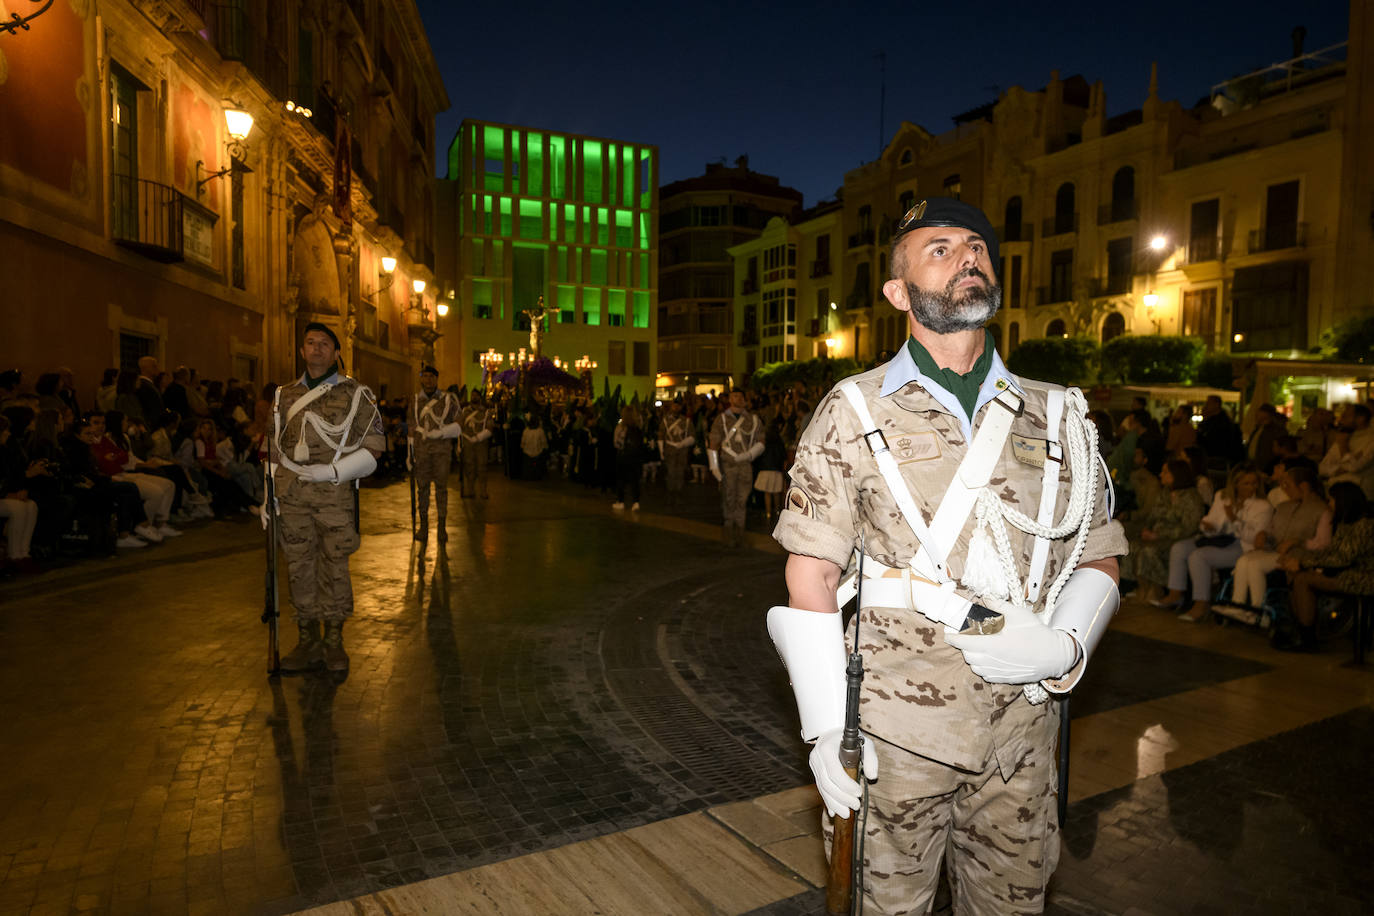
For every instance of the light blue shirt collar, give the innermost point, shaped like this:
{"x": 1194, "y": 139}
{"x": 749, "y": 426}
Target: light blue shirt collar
{"x": 902, "y": 370}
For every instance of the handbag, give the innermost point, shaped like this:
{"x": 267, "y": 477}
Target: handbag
{"x": 1216, "y": 540}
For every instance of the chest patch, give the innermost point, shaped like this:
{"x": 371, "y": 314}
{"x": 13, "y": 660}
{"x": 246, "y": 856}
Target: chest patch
{"x": 909, "y": 447}
{"x": 1030, "y": 451}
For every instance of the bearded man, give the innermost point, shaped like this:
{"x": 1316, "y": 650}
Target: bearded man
{"x": 973, "y": 504}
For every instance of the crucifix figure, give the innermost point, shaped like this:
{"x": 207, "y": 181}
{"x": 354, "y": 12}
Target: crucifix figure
{"x": 536, "y": 317}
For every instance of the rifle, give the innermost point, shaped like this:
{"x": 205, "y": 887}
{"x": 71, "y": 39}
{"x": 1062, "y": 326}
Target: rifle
{"x": 1063, "y": 761}
{"x": 846, "y": 859}
{"x": 410, "y": 472}
{"x": 271, "y": 612}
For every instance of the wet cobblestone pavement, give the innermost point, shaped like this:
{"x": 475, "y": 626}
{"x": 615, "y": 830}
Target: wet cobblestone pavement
{"x": 556, "y": 673}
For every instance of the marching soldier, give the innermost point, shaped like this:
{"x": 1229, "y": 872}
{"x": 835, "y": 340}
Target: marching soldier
{"x": 990, "y": 576}
{"x": 327, "y": 434}
{"x": 477, "y": 426}
{"x": 434, "y": 424}
{"x": 677, "y": 441}
{"x": 736, "y": 439}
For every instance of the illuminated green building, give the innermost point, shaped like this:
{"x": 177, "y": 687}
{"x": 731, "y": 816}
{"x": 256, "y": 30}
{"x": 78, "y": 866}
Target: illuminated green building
{"x": 525, "y": 213}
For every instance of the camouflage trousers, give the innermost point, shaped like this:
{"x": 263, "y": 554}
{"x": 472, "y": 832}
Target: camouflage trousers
{"x": 999, "y": 833}
{"x": 675, "y": 468}
{"x": 431, "y": 467}
{"x": 736, "y": 481}
{"x": 317, "y": 541}
{"x": 475, "y": 460}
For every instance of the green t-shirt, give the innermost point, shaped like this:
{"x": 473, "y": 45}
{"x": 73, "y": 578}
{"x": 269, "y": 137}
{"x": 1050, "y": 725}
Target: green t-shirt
{"x": 965, "y": 388}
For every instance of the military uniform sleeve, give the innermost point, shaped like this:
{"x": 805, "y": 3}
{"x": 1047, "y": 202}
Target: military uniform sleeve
{"x": 819, "y": 517}
{"x": 717, "y": 433}
{"x": 367, "y": 425}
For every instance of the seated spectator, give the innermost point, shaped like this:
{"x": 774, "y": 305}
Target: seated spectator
{"x": 1237, "y": 522}
{"x": 1346, "y": 566}
{"x": 126, "y": 396}
{"x": 114, "y": 460}
{"x": 226, "y": 496}
{"x": 43, "y": 455}
{"x": 1351, "y": 456}
{"x": 1302, "y": 520}
{"x": 239, "y": 456}
{"x": 1313, "y": 442}
{"x": 106, "y": 393}
{"x": 98, "y": 496}
{"x": 1181, "y": 434}
{"x": 1175, "y": 515}
{"x": 19, "y": 512}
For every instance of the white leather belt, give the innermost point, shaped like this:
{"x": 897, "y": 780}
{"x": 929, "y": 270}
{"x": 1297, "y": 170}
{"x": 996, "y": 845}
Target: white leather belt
{"x": 885, "y": 586}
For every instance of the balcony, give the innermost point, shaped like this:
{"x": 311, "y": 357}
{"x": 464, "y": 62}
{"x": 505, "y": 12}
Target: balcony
{"x": 1113, "y": 285}
{"x": 1203, "y": 248}
{"x": 749, "y": 337}
{"x": 1276, "y": 238}
{"x": 1048, "y": 295}
{"x": 861, "y": 238}
{"x": 813, "y": 329}
{"x": 1059, "y": 224}
{"x": 158, "y": 221}
{"x": 236, "y": 39}
{"x": 1016, "y": 232}
{"x": 820, "y": 267}
{"x": 390, "y": 215}
{"x": 1118, "y": 211}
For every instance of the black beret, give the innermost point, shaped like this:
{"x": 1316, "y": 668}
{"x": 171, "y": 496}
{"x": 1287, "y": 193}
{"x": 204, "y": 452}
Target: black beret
{"x": 948, "y": 211}
{"x": 323, "y": 329}
{"x": 428, "y": 370}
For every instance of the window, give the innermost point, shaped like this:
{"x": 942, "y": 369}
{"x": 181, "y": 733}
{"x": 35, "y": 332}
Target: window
{"x": 132, "y": 348}
{"x": 591, "y": 306}
{"x": 1119, "y": 255}
{"x": 1056, "y": 328}
{"x": 615, "y": 357}
{"x": 1123, "y": 194}
{"x": 1061, "y": 275}
{"x": 1280, "y": 218}
{"x": 1014, "y": 284}
{"x": 1269, "y": 306}
{"x": 615, "y": 313}
{"x": 1011, "y": 228}
{"x": 1065, "y": 217}
{"x": 774, "y": 302}
{"x": 1113, "y": 326}
{"x": 1199, "y": 317}
{"x": 906, "y": 202}
{"x": 1203, "y": 223}
{"x": 481, "y": 298}
{"x": 952, "y": 186}
{"x": 822, "y": 303}
{"x": 123, "y": 153}
{"x": 641, "y": 357}
{"x": 906, "y": 159}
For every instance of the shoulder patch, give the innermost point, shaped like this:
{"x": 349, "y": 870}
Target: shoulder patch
{"x": 797, "y": 501}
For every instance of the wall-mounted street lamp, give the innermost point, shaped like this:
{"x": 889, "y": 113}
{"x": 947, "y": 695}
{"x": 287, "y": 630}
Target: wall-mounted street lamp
{"x": 1151, "y": 299}
{"x": 16, "y": 22}
{"x": 388, "y": 265}
{"x": 1158, "y": 243}
{"x": 418, "y": 285}
{"x": 443, "y": 306}
{"x": 238, "y": 123}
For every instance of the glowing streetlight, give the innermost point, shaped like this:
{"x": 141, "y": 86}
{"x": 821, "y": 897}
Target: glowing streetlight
{"x": 238, "y": 123}
{"x": 1158, "y": 242}
{"x": 418, "y": 286}
{"x": 388, "y": 264}
{"x": 1151, "y": 299}
{"x": 442, "y": 309}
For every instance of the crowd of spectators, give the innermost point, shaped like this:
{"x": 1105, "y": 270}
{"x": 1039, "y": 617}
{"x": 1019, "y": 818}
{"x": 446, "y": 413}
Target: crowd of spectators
{"x": 128, "y": 465}
{"x": 1254, "y": 527}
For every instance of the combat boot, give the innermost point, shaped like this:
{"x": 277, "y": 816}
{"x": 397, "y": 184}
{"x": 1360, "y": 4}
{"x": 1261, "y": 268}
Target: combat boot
{"x": 441, "y": 530}
{"x": 309, "y": 651}
{"x": 422, "y": 534}
{"x": 335, "y": 658}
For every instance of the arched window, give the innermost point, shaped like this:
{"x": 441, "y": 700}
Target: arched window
{"x": 1123, "y": 194}
{"x": 1011, "y": 229}
{"x": 995, "y": 330}
{"x": 906, "y": 156}
{"x": 1065, "y": 219}
{"x": 1056, "y": 328}
{"x": 1113, "y": 326}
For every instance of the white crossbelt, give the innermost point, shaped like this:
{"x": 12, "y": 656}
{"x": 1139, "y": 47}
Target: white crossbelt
{"x": 972, "y": 475}
{"x": 323, "y": 428}
{"x": 886, "y": 586}
{"x": 1049, "y": 492}
{"x": 725, "y": 442}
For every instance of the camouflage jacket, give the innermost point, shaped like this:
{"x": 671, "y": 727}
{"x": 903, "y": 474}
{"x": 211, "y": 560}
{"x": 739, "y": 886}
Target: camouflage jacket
{"x": 734, "y": 434}
{"x": 430, "y": 413}
{"x": 476, "y": 419}
{"x": 332, "y": 407}
{"x": 918, "y": 691}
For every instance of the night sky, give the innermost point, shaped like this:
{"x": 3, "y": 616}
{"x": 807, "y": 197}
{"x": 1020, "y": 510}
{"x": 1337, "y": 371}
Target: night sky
{"x": 796, "y": 86}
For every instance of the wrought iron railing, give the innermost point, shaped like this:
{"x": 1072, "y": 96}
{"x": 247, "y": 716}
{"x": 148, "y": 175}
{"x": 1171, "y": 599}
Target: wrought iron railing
{"x": 1118, "y": 211}
{"x": 1279, "y": 236}
{"x": 150, "y": 218}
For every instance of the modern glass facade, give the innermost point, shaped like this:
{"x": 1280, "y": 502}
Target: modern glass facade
{"x": 565, "y": 217}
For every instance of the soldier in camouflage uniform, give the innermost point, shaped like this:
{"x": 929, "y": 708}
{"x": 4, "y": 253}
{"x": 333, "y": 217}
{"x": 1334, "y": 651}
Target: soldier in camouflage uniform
{"x": 963, "y": 760}
{"x": 476, "y": 429}
{"x": 327, "y": 433}
{"x": 735, "y": 440}
{"x": 434, "y": 424}
{"x": 677, "y": 441}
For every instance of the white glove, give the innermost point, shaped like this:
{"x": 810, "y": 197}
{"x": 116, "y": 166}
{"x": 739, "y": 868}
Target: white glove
{"x": 713, "y": 459}
{"x": 839, "y": 792}
{"x": 451, "y": 431}
{"x": 354, "y": 465}
{"x": 484, "y": 435}
{"x": 755, "y": 450}
{"x": 1024, "y": 652}
{"x": 811, "y": 646}
{"x": 316, "y": 473}
{"x": 434, "y": 434}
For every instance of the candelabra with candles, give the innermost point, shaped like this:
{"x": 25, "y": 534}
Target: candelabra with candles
{"x": 584, "y": 367}
{"x": 491, "y": 364}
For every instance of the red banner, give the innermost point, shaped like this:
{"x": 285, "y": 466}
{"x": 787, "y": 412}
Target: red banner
{"x": 343, "y": 173}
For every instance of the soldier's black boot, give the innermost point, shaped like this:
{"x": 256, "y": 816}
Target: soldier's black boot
{"x": 422, "y": 534}
{"x": 335, "y": 658}
{"x": 309, "y": 651}
{"x": 441, "y": 530}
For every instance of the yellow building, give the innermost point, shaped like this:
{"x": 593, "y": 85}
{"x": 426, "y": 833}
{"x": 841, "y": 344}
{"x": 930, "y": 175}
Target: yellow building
{"x": 528, "y": 214}
{"x": 135, "y": 223}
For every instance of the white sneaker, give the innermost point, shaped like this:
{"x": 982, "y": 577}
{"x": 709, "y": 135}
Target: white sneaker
{"x": 635, "y": 507}
{"x": 619, "y": 507}
{"x": 130, "y": 541}
{"x": 204, "y": 511}
{"x": 168, "y": 531}
{"x": 148, "y": 533}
